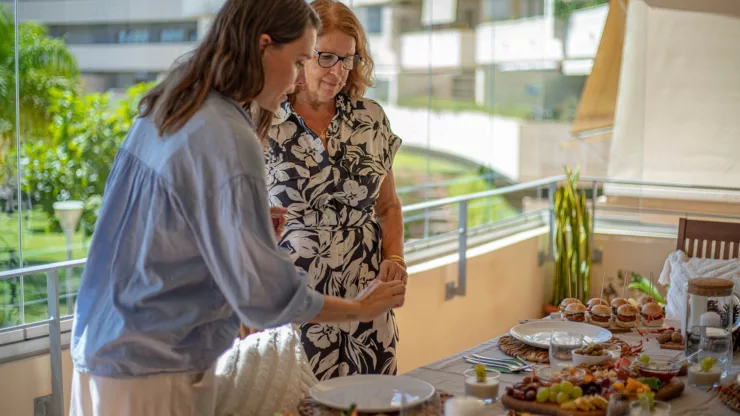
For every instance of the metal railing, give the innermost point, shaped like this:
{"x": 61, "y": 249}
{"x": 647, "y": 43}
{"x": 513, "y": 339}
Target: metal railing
{"x": 56, "y": 405}
{"x": 452, "y": 289}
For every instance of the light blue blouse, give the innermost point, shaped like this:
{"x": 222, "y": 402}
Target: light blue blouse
{"x": 183, "y": 250}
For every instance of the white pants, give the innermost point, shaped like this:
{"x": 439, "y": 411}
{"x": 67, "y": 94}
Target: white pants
{"x": 177, "y": 395}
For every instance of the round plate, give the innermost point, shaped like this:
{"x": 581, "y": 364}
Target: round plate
{"x": 371, "y": 393}
{"x": 537, "y": 334}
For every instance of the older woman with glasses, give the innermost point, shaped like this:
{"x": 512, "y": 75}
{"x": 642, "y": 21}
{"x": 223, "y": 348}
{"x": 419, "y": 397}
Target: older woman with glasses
{"x": 329, "y": 158}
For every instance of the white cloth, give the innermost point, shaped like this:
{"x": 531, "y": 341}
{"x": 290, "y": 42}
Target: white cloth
{"x": 176, "y": 395}
{"x": 679, "y": 268}
{"x": 264, "y": 373}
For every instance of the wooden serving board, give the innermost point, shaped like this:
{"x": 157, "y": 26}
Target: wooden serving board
{"x": 550, "y": 409}
{"x": 673, "y": 389}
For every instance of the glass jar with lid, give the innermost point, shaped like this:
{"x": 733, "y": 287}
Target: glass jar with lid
{"x": 708, "y": 320}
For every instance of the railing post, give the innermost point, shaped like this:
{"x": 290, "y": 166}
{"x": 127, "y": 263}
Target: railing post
{"x": 552, "y": 189}
{"x": 594, "y": 191}
{"x": 462, "y": 230}
{"x": 56, "y": 406}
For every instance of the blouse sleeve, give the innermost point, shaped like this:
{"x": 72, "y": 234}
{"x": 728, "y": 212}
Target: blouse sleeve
{"x": 260, "y": 282}
{"x": 391, "y": 142}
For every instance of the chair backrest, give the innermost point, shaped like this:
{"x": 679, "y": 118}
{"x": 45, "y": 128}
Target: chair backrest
{"x": 709, "y": 239}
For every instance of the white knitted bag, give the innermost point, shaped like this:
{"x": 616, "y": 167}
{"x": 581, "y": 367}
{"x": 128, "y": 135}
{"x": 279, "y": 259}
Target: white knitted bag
{"x": 264, "y": 373}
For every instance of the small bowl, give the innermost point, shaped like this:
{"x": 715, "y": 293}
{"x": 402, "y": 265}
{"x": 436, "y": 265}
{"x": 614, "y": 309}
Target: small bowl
{"x": 590, "y": 360}
{"x": 663, "y": 370}
{"x": 614, "y": 349}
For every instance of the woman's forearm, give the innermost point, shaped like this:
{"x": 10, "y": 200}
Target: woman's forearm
{"x": 391, "y": 225}
{"x": 338, "y": 310}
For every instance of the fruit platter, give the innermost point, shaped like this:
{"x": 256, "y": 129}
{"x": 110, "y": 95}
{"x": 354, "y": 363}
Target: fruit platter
{"x": 584, "y": 390}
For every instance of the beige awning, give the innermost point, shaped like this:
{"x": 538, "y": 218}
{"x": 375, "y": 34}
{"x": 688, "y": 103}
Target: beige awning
{"x": 595, "y": 114}
{"x": 679, "y": 96}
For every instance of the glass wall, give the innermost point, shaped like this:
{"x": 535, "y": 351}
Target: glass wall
{"x": 482, "y": 92}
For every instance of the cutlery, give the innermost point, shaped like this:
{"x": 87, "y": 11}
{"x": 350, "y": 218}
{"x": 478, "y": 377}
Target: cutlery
{"x": 498, "y": 365}
{"x": 510, "y": 361}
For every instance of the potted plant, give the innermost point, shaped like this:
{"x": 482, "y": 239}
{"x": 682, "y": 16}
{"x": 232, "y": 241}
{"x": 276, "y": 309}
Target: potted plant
{"x": 572, "y": 253}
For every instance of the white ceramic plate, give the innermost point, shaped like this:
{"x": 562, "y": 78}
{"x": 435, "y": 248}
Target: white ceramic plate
{"x": 371, "y": 393}
{"x": 537, "y": 333}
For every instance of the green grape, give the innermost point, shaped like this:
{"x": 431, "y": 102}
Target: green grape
{"x": 577, "y": 392}
{"x": 555, "y": 388}
{"x": 707, "y": 363}
{"x": 543, "y": 395}
{"x": 566, "y": 387}
{"x": 644, "y": 358}
{"x": 563, "y": 397}
{"x": 553, "y": 396}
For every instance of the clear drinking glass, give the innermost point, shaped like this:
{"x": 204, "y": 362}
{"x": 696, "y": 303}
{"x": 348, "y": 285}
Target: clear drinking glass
{"x": 487, "y": 390}
{"x": 643, "y": 409}
{"x": 621, "y": 404}
{"x": 561, "y": 346}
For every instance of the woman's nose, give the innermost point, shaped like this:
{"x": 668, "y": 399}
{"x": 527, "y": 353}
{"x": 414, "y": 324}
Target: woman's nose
{"x": 338, "y": 69}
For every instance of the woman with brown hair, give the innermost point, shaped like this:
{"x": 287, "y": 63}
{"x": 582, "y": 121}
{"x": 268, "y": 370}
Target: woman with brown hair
{"x": 329, "y": 158}
{"x": 183, "y": 248}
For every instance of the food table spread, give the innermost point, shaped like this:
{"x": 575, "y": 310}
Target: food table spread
{"x": 447, "y": 375}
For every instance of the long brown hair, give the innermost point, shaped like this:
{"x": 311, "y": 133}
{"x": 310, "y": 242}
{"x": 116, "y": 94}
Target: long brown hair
{"x": 337, "y": 16}
{"x": 227, "y": 60}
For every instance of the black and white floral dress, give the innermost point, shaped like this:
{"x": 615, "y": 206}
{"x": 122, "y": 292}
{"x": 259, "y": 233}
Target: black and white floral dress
{"x": 332, "y": 231}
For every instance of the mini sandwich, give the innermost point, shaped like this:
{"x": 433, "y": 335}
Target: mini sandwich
{"x": 627, "y": 316}
{"x": 595, "y": 301}
{"x": 652, "y": 315}
{"x": 575, "y": 312}
{"x": 616, "y": 303}
{"x": 644, "y": 300}
{"x": 600, "y": 315}
{"x": 566, "y": 302}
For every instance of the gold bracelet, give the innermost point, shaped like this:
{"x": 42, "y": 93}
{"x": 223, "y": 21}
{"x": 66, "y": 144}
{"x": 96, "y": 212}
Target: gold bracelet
{"x": 399, "y": 260}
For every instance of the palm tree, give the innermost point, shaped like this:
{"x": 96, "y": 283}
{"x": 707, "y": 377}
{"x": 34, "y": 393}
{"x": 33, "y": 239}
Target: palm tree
{"x": 44, "y": 64}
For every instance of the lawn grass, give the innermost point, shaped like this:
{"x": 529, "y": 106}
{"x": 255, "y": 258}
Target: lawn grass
{"x": 39, "y": 247}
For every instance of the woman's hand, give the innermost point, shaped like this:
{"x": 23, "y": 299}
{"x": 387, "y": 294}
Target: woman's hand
{"x": 278, "y": 220}
{"x": 391, "y": 271}
{"x": 380, "y": 297}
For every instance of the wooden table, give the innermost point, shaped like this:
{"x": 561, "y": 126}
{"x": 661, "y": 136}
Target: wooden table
{"x": 447, "y": 374}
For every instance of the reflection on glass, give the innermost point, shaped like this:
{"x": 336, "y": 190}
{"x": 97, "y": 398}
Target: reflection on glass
{"x": 483, "y": 93}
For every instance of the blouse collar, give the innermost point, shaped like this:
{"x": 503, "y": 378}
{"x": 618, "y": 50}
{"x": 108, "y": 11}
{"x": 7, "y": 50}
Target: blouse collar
{"x": 342, "y": 102}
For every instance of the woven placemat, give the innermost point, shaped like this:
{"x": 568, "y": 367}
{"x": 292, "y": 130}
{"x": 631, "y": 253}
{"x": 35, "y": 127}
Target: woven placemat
{"x": 433, "y": 407}
{"x": 514, "y": 348}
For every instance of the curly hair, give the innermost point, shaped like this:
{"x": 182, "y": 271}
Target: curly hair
{"x": 335, "y": 15}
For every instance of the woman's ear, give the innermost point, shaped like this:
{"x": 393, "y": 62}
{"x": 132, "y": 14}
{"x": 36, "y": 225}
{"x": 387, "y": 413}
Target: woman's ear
{"x": 265, "y": 41}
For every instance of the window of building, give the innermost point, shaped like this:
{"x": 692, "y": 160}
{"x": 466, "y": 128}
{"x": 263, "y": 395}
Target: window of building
{"x": 133, "y": 36}
{"x": 173, "y": 35}
{"x": 127, "y": 33}
{"x": 371, "y": 18}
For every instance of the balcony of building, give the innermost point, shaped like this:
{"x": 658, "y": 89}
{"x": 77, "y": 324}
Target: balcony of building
{"x": 506, "y": 274}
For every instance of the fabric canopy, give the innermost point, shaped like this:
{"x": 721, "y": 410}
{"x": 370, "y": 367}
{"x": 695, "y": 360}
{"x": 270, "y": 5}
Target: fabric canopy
{"x": 595, "y": 114}
{"x": 677, "y": 116}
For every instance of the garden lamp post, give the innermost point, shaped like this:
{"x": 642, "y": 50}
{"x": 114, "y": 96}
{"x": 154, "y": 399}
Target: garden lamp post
{"x": 68, "y": 213}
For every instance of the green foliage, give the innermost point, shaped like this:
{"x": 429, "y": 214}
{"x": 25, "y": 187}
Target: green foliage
{"x": 9, "y": 317}
{"x": 84, "y": 137}
{"x": 454, "y": 105}
{"x": 573, "y": 228}
{"x": 642, "y": 284}
{"x": 563, "y": 8}
{"x": 44, "y": 64}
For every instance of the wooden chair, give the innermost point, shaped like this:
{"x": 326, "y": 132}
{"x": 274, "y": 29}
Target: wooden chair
{"x": 709, "y": 239}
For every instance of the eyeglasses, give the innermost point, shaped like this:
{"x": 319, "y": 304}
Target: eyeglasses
{"x": 328, "y": 60}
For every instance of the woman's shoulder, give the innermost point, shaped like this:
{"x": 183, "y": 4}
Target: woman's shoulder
{"x": 364, "y": 106}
